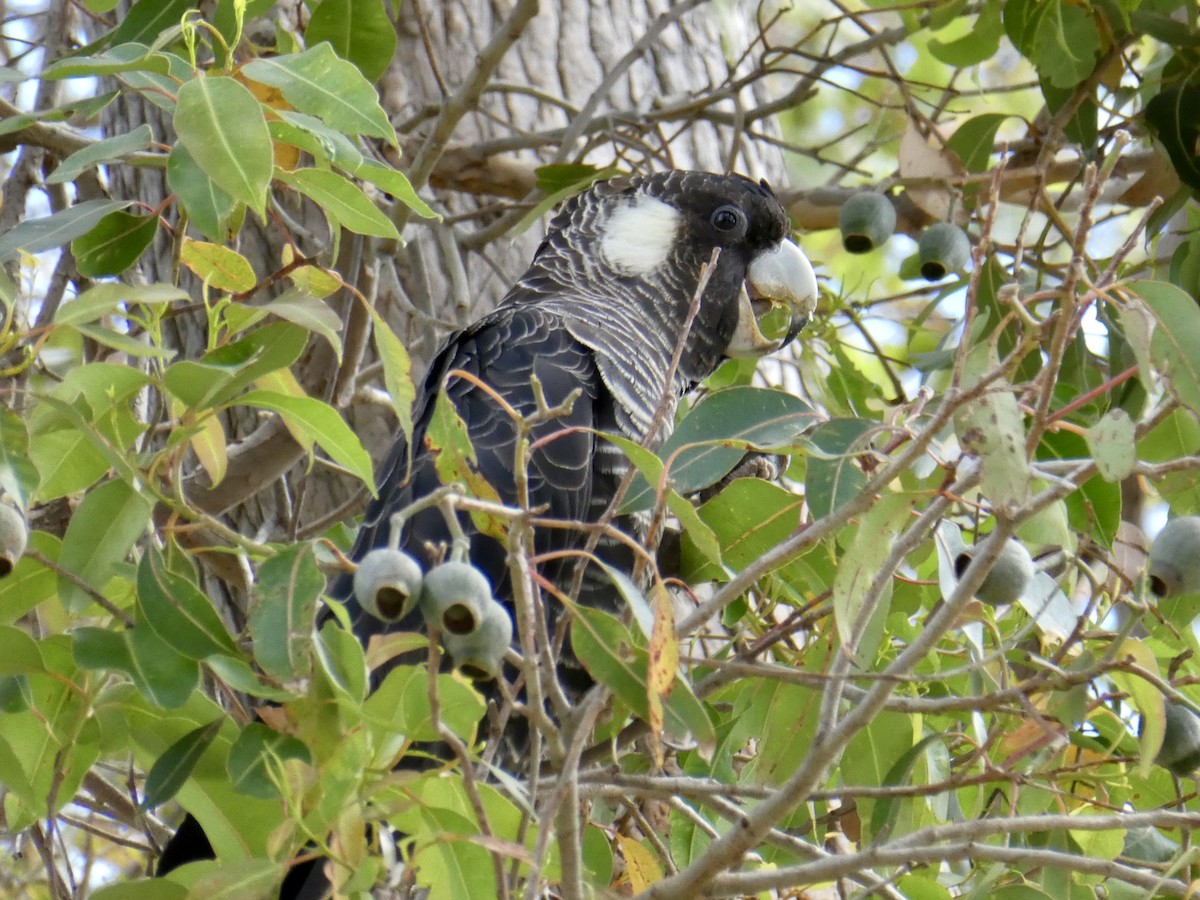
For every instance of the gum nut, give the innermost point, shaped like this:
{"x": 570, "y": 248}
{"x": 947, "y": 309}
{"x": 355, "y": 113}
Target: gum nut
{"x": 1009, "y": 575}
{"x": 866, "y": 220}
{"x": 942, "y": 248}
{"x": 454, "y": 597}
{"x": 481, "y": 655}
{"x": 1175, "y": 558}
{"x": 13, "y": 536}
{"x": 1180, "y": 751}
{"x": 387, "y": 583}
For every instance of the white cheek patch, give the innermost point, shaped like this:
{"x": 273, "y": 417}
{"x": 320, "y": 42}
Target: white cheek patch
{"x": 638, "y": 237}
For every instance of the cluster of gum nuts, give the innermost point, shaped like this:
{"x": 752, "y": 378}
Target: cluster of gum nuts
{"x": 454, "y": 597}
{"x": 868, "y": 219}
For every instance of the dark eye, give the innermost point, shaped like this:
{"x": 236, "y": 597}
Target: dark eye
{"x": 727, "y": 218}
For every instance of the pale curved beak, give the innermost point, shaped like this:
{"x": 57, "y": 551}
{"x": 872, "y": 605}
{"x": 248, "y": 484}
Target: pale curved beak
{"x": 779, "y": 277}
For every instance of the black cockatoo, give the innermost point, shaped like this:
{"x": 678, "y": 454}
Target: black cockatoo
{"x": 602, "y": 310}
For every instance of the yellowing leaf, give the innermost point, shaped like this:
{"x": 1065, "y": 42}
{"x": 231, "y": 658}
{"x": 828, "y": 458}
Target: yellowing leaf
{"x": 641, "y": 868}
{"x": 664, "y": 666}
{"x": 317, "y": 280}
{"x": 455, "y": 460}
{"x": 397, "y": 373}
{"x": 210, "y": 447}
{"x": 282, "y": 381}
{"x": 220, "y": 267}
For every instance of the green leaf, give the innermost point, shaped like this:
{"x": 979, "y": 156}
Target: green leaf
{"x": 101, "y": 649}
{"x": 85, "y": 428}
{"x": 978, "y": 44}
{"x": 255, "y": 753}
{"x": 218, "y": 266}
{"x": 319, "y": 83}
{"x": 163, "y": 676}
{"x": 225, "y": 372}
{"x": 1176, "y": 436}
{"x": 238, "y": 826}
{"x": 1171, "y": 115}
{"x": 1176, "y": 337}
{"x": 125, "y": 343}
{"x": 861, "y": 631}
{"x": 36, "y": 235}
{"x": 142, "y": 889}
{"x": 400, "y": 705}
{"x": 220, "y": 879}
{"x": 175, "y": 766}
{"x": 1111, "y": 442}
{"x": 322, "y": 422}
{"x": 102, "y": 531}
{"x": 126, "y": 57}
{"x": 750, "y": 517}
{"x": 1083, "y": 125}
{"x": 105, "y": 299}
{"x": 832, "y": 479}
{"x": 713, "y": 438}
{"x": 975, "y": 139}
{"x": 104, "y": 151}
{"x": 114, "y": 244}
{"x": 15, "y": 695}
{"x": 562, "y": 177}
{"x": 342, "y": 201}
{"x": 148, "y": 19}
{"x": 312, "y": 313}
{"x": 606, "y": 649}
{"x": 19, "y": 653}
{"x": 242, "y": 677}
{"x": 208, "y": 206}
{"x": 396, "y": 184}
{"x": 1059, "y": 37}
{"x": 343, "y": 662}
{"x": 650, "y": 468}
{"x": 994, "y": 429}
{"x": 899, "y": 775}
{"x": 179, "y": 611}
{"x": 224, "y": 130}
{"x": 153, "y": 87}
{"x": 1146, "y": 699}
{"x": 359, "y": 30}
{"x": 18, "y": 475}
{"x": 285, "y": 604}
{"x": 446, "y": 869}
{"x": 1095, "y": 508}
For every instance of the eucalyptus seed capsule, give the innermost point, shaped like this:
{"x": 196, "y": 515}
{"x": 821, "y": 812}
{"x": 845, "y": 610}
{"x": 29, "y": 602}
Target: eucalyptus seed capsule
{"x": 866, "y": 221}
{"x": 387, "y": 583}
{"x": 942, "y": 248}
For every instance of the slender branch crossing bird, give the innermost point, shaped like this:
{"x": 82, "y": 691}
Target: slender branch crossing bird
{"x": 642, "y": 286}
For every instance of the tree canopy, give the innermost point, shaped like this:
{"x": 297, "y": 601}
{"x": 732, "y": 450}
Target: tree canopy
{"x": 949, "y": 650}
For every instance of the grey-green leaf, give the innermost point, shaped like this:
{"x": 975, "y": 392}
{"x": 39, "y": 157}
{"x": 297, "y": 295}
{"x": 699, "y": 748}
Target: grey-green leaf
{"x": 223, "y": 127}
{"x": 175, "y": 766}
{"x": 101, "y": 152}
{"x": 319, "y": 83}
{"x": 48, "y": 232}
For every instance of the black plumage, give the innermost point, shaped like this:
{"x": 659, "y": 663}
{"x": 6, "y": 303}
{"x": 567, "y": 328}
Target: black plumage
{"x": 601, "y": 313}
